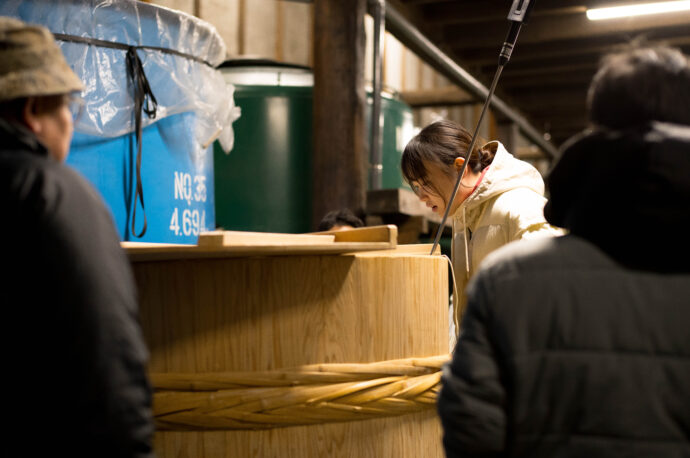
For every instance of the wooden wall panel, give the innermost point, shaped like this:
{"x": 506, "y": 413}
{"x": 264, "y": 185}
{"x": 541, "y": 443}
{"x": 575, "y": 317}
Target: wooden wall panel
{"x": 410, "y": 73}
{"x": 260, "y": 28}
{"x": 297, "y": 30}
{"x": 225, "y": 16}
{"x": 186, "y": 6}
{"x": 369, "y": 50}
{"x": 393, "y": 65}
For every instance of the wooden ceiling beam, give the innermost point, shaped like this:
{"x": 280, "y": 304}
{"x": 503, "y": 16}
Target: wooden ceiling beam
{"x": 554, "y": 50}
{"x": 558, "y": 123}
{"x": 564, "y": 120}
{"x": 555, "y": 62}
{"x": 413, "y": 10}
{"x": 417, "y": 2}
{"x": 459, "y": 14}
{"x": 512, "y": 83}
{"x": 463, "y": 12}
{"x": 553, "y": 69}
{"x": 550, "y": 100}
{"x": 571, "y": 27}
{"x": 447, "y": 96}
{"x": 557, "y": 116}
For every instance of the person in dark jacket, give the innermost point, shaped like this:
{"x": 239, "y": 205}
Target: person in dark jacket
{"x": 74, "y": 358}
{"x": 578, "y": 346}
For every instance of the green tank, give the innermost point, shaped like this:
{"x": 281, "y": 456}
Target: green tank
{"x": 265, "y": 183}
{"x": 398, "y": 129}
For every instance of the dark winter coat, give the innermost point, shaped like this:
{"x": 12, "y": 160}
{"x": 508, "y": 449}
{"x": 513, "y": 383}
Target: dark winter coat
{"x": 74, "y": 360}
{"x": 579, "y": 346}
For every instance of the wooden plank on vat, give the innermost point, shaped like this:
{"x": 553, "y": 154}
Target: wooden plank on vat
{"x": 384, "y": 233}
{"x": 224, "y": 239}
{"x": 419, "y": 249}
{"x": 373, "y": 238}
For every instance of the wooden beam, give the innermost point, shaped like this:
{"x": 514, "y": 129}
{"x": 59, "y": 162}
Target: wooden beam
{"x": 560, "y": 28}
{"x": 537, "y": 71}
{"x": 560, "y": 123}
{"x": 562, "y": 95}
{"x": 417, "y": 2}
{"x": 459, "y": 13}
{"x": 447, "y": 96}
{"x": 510, "y": 83}
{"x": 559, "y": 61}
{"x": 438, "y": 13}
{"x": 557, "y": 119}
{"x": 542, "y": 51}
{"x": 340, "y": 148}
{"x": 557, "y": 115}
{"x": 412, "y": 11}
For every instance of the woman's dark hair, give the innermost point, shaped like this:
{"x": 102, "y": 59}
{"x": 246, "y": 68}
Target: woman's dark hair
{"x": 442, "y": 142}
{"x": 640, "y": 85}
{"x": 343, "y": 217}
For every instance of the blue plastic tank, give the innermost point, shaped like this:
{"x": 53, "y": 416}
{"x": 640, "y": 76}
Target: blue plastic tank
{"x": 178, "y": 55}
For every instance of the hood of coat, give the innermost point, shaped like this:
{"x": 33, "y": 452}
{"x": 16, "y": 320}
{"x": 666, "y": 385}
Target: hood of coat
{"x": 505, "y": 173}
{"x": 628, "y": 192}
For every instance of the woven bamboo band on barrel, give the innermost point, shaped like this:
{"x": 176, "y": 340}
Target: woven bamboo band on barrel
{"x": 318, "y": 393}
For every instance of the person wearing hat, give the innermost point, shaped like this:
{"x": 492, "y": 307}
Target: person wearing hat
{"x": 73, "y": 353}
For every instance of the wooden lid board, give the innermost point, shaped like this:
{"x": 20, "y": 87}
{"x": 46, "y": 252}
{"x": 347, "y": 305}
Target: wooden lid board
{"x": 223, "y": 244}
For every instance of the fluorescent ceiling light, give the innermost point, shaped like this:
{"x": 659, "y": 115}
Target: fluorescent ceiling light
{"x": 637, "y": 10}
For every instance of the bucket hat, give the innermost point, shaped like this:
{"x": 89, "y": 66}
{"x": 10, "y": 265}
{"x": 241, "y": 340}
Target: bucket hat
{"x": 31, "y": 63}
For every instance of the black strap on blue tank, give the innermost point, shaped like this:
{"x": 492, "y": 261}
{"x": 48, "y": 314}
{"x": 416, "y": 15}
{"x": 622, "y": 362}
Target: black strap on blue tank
{"x": 144, "y": 100}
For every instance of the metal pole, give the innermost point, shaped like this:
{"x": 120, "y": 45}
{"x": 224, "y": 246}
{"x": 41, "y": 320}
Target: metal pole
{"x": 411, "y": 37}
{"x": 378, "y": 8}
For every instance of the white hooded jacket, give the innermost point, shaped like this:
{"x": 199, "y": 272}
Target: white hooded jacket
{"x": 507, "y": 205}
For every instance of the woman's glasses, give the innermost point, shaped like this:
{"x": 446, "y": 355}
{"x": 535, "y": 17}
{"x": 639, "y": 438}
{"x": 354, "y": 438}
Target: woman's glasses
{"x": 422, "y": 188}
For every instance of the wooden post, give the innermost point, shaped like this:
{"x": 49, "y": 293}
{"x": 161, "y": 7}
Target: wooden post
{"x": 340, "y": 139}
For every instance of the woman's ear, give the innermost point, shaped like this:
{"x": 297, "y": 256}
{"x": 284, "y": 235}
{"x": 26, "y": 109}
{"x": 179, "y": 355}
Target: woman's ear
{"x": 459, "y": 161}
{"x": 31, "y": 120}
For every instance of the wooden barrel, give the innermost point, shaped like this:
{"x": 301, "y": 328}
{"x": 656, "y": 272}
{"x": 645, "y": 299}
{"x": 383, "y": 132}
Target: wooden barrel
{"x": 212, "y": 314}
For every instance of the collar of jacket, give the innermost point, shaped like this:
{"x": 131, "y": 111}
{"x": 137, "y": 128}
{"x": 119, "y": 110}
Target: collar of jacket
{"x": 14, "y": 137}
{"x": 505, "y": 173}
{"x": 628, "y": 192}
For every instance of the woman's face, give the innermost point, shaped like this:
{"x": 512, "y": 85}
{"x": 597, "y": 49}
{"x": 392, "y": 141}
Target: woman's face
{"x": 436, "y": 189}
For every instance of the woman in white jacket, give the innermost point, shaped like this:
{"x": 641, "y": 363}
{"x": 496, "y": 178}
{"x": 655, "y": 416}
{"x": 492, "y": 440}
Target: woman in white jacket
{"x": 500, "y": 199}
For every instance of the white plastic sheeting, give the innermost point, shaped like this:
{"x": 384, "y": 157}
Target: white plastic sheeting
{"x": 180, "y": 83}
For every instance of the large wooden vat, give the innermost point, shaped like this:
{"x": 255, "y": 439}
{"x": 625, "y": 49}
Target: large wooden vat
{"x": 218, "y": 312}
